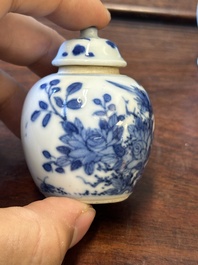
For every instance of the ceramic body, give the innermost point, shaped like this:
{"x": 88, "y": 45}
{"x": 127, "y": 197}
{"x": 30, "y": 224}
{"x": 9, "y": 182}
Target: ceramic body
{"x": 87, "y": 136}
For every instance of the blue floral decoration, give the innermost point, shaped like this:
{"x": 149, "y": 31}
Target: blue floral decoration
{"x": 80, "y": 49}
{"x": 64, "y": 54}
{"x": 111, "y": 44}
{"x": 100, "y": 149}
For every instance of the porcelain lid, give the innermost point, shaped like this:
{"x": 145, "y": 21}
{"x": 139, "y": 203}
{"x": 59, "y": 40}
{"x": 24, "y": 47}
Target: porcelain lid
{"x": 89, "y": 49}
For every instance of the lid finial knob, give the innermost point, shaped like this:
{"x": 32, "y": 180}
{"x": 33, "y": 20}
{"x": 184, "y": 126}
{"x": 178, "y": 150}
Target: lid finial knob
{"x": 91, "y": 32}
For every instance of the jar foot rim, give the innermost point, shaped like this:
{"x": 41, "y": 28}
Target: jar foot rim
{"x": 99, "y": 199}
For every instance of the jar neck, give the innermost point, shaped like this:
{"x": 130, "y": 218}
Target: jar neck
{"x": 78, "y": 69}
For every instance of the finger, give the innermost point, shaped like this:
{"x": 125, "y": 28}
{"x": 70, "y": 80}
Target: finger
{"x": 73, "y": 14}
{"x": 75, "y": 216}
{"x": 12, "y": 96}
{"x": 28, "y": 43}
{"x": 42, "y": 232}
{"x": 35, "y": 48}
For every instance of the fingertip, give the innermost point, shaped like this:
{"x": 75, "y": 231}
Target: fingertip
{"x": 81, "y": 15}
{"x": 104, "y": 19}
{"x": 108, "y": 17}
{"x": 82, "y": 224}
{"x": 76, "y": 215}
{"x": 104, "y": 22}
{"x": 60, "y": 224}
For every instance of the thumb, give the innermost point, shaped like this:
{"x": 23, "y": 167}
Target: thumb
{"x": 43, "y": 231}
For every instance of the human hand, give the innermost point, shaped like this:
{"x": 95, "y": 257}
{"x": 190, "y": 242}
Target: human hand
{"x": 42, "y": 232}
{"x": 25, "y": 41}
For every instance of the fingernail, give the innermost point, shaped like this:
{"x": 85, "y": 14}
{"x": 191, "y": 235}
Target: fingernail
{"x": 82, "y": 224}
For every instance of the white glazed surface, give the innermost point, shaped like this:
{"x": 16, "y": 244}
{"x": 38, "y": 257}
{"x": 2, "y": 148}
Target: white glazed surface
{"x": 104, "y": 172}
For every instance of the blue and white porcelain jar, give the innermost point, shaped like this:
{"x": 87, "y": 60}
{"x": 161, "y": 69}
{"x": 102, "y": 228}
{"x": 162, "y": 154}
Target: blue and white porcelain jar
{"x": 87, "y": 130}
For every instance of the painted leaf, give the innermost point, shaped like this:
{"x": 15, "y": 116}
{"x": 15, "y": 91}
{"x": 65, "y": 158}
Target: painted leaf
{"x": 63, "y": 149}
{"x": 75, "y": 165}
{"x": 118, "y": 132}
{"x": 75, "y": 144}
{"x": 81, "y": 152}
{"x": 46, "y": 154}
{"x": 89, "y": 168}
{"x": 54, "y": 82}
{"x": 113, "y": 120}
{"x": 78, "y": 124}
{"x": 43, "y": 86}
{"x": 109, "y": 136}
{"x": 119, "y": 150}
{"x": 107, "y": 97}
{"x": 55, "y": 89}
{"x": 103, "y": 124}
{"x": 35, "y": 115}
{"x": 74, "y": 104}
{"x": 59, "y": 102}
{"x": 60, "y": 170}
{"x": 97, "y": 101}
{"x": 46, "y": 120}
{"x": 73, "y": 88}
{"x": 47, "y": 167}
{"x": 65, "y": 138}
{"x": 91, "y": 157}
{"x": 62, "y": 161}
{"x": 99, "y": 113}
{"x": 43, "y": 105}
{"x": 69, "y": 127}
{"x": 112, "y": 107}
{"x": 121, "y": 118}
